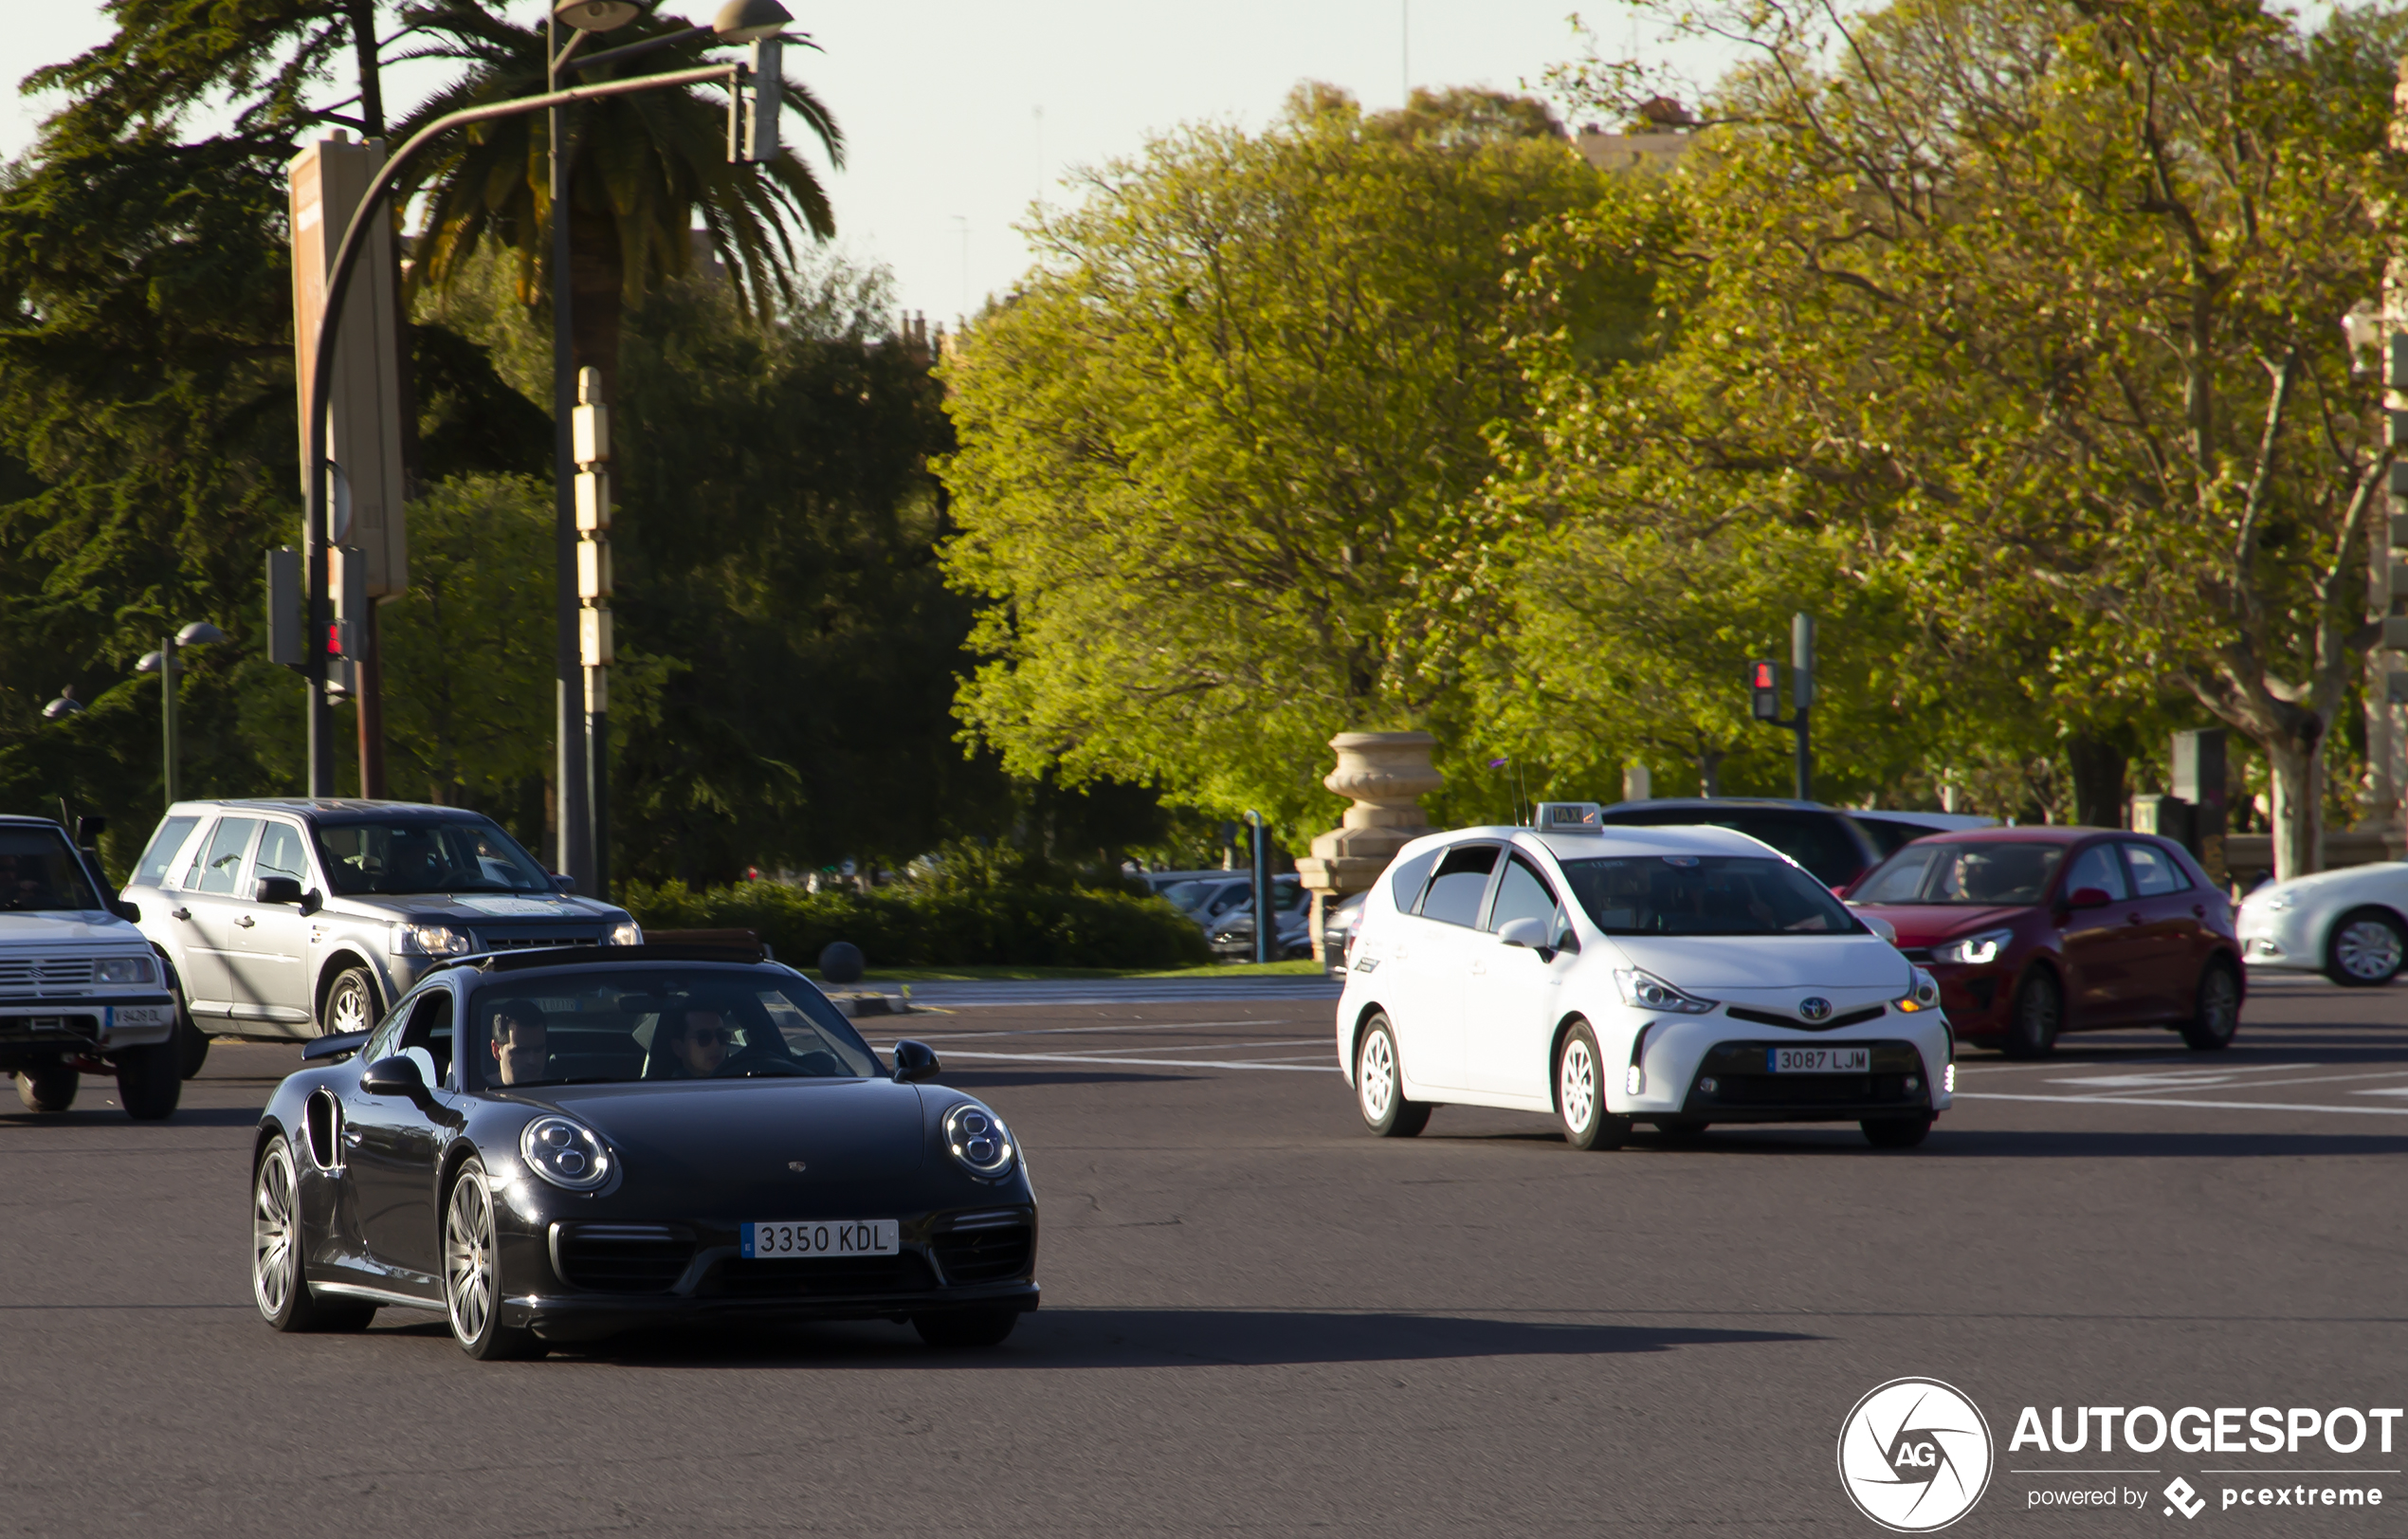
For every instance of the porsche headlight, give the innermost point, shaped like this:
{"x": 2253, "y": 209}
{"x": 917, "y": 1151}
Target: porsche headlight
{"x": 1645, "y": 991}
{"x": 980, "y": 1142}
{"x": 565, "y": 1153}
{"x": 429, "y": 941}
{"x": 1975, "y": 950}
{"x": 123, "y": 970}
{"x": 630, "y": 933}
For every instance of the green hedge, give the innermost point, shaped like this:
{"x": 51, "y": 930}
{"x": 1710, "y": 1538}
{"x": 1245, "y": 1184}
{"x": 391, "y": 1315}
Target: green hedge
{"x": 1000, "y": 927}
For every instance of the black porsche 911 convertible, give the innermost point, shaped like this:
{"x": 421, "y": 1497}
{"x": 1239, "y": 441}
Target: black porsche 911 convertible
{"x": 550, "y": 1146}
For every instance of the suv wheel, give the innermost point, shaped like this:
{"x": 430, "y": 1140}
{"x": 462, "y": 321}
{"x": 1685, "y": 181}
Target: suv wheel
{"x": 351, "y": 1004}
{"x": 150, "y": 1080}
{"x": 47, "y": 1087}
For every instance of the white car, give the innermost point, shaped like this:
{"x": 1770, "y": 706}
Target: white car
{"x": 1678, "y": 976}
{"x": 2350, "y": 924}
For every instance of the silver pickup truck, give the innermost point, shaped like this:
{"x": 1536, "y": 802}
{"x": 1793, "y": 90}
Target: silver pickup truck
{"x": 81, "y": 990}
{"x": 288, "y": 918}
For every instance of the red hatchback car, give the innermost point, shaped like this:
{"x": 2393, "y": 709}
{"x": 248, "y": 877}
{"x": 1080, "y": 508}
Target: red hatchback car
{"x": 2037, "y": 931}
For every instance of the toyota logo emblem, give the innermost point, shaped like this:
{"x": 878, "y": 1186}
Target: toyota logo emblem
{"x": 1814, "y": 1007}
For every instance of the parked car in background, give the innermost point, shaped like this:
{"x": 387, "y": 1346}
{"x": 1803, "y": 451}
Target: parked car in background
{"x": 1340, "y": 924}
{"x": 1889, "y": 830}
{"x": 1825, "y": 840}
{"x": 2033, "y": 932}
{"x": 1231, "y": 936}
{"x": 81, "y": 990}
{"x": 1209, "y": 900}
{"x": 1158, "y": 882}
{"x": 2350, "y": 924}
{"x": 286, "y": 917}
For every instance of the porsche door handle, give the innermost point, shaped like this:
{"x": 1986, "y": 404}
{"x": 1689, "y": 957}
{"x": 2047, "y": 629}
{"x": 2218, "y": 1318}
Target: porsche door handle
{"x": 351, "y": 1138}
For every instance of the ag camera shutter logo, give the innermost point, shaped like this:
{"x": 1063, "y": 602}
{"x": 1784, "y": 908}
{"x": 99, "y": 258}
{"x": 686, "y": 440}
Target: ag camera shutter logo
{"x": 1915, "y": 1455}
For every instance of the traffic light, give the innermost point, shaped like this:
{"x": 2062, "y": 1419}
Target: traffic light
{"x": 1764, "y": 690}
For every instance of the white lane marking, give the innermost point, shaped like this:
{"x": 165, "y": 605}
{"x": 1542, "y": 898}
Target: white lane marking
{"x": 2153, "y": 1101}
{"x": 1176, "y": 1063}
{"x": 1206, "y": 1047}
{"x": 2394, "y": 1090}
{"x": 1067, "y": 1031}
{"x": 2178, "y": 1079}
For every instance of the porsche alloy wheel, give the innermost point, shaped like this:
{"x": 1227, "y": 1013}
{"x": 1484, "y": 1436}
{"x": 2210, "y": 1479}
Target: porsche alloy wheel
{"x": 2366, "y": 951}
{"x": 472, "y": 1273}
{"x": 284, "y": 1295}
{"x": 1379, "y": 1084}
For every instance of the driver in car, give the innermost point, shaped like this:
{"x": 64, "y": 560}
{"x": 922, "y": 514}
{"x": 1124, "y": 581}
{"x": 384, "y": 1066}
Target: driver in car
{"x": 518, "y": 1043}
{"x": 700, "y": 1043}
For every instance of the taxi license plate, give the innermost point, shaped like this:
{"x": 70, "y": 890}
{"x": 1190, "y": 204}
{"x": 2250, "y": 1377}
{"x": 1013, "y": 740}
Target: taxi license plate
{"x": 848, "y": 1236}
{"x": 1817, "y": 1061}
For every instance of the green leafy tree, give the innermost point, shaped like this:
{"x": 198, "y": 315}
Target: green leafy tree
{"x": 1222, "y": 453}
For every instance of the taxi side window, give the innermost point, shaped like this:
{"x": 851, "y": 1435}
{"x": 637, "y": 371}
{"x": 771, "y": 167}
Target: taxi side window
{"x": 1459, "y": 884}
{"x": 2154, "y": 872}
{"x": 1404, "y": 883}
{"x": 1521, "y": 893}
{"x": 2097, "y": 867}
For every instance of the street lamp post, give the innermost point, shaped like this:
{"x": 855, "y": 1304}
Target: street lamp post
{"x": 62, "y": 707}
{"x": 756, "y": 22}
{"x": 198, "y": 634}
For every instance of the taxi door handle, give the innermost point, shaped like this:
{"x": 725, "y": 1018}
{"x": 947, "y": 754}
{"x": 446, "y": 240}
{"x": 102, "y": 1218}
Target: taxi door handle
{"x": 245, "y": 921}
{"x": 180, "y": 913}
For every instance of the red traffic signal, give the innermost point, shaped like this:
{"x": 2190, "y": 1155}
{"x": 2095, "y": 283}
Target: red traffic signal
{"x": 1764, "y": 690}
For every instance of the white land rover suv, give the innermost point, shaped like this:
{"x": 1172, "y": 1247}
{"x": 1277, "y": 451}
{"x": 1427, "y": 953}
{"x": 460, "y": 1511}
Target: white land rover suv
{"x": 81, "y": 991}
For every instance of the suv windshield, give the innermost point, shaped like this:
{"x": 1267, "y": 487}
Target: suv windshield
{"x": 632, "y": 1026}
{"x": 1705, "y": 895}
{"x": 426, "y": 856}
{"x": 39, "y": 871}
{"x": 2007, "y": 870}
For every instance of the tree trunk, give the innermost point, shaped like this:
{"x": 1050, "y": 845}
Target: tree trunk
{"x": 2297, "y": 770}
{"x": 2098, "y": 768}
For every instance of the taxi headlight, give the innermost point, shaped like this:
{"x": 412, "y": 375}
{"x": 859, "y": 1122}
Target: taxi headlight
{"x": 1643, "y": 990}
{"x": 123, "y": 970}
{"x": 1975, "y": 950}
{"x": 1923, "y": 993}
{"x": 429, "y": 941}
{"x": 565, "y": 1153}
{"x": 630, "y": 933}
{"x": 980, "y": 1142}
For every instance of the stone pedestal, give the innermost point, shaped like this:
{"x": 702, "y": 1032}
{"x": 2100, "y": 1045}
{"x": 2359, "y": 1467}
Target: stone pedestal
{"x": 1386, "y": 774}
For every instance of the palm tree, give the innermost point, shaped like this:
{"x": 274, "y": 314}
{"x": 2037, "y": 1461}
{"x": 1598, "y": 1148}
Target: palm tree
{"x": 642, "y": 167}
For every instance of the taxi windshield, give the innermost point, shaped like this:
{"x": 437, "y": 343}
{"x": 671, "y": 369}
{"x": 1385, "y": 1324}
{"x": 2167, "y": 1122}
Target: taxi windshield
{"x": 1705, "y": 895}
{"x": 636, "y": 1026}
{"x": 1977, "y": 871}
{"x": 421, "y": 855}
{"x": 38, "y": 873}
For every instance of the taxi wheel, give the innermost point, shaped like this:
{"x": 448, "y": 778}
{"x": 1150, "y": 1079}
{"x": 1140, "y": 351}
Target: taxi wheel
{"x": 2217, "y": 1014}
{"x": 472, "y": 1273}
{"x": 1895, "y": 1132}
{"x": 1579, "y": 1094}
{"x": 2366, "y": 949}
{"x": 1379, "y": 1084}
{"x": 284, "y": 1298}
{"x": 48, "y": 1087}
{"x": 2039, "y": 1013}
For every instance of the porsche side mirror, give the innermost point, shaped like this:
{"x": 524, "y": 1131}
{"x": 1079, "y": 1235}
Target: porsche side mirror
{"x": 1528, "y": 933}
{"x": 915, "y": 1062}
{"x": 396, "y": 1075}
{"x": 279, "y": 889}
{"x": 338, "y": 1045}
{"x": 2088, "y": 897}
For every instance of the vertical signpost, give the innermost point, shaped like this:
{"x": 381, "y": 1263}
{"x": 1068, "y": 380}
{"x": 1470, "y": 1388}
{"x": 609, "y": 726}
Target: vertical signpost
{"x": 327, "y": 182}
{"x": 1764, "y": 698}
{"x": 591, "y": 444}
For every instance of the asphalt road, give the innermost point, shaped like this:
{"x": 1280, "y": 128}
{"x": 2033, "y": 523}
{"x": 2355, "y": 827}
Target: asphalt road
{"x": 1259, "y": 1320}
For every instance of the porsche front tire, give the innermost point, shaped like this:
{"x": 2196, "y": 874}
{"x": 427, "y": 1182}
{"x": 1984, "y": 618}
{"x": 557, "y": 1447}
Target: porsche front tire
{"x": 285, "y": 1300}
{"x": 472, "y": 1273}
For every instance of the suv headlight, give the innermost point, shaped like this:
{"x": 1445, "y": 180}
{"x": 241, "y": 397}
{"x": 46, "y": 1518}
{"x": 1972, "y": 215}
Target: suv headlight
{"x": 1645, "y": 991}
{"x": 980, "y": 1142}
{"x": 429, "y": 941}
{"x": 565, "y": 1153}
{"x": 630, "y": 933}
{"x": 1974, "y": 951}
{"x": 123, "y": 970}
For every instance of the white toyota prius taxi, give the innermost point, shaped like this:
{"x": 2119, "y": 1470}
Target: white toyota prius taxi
{"x": 1610, "y": 976}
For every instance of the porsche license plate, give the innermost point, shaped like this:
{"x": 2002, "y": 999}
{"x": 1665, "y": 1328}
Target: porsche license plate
{"x": 1812, "y": 1061}
{"x": 848, "y": 1236}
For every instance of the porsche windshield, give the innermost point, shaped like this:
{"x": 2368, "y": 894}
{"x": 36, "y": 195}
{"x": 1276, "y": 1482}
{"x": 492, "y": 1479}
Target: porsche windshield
{"x": 634, "y": 1026}
{"x": 1705, "y": 895}
{"x": 38, "y": 871}
{"x": 2005, "y": 871}
{"x": 453, "y": 855}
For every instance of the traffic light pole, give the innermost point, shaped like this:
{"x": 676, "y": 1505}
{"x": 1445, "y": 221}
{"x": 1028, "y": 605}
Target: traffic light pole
{"x": 1763, "y": 685}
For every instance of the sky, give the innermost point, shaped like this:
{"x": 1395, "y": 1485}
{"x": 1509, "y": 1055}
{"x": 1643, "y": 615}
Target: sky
{"x": 961, "y": 115}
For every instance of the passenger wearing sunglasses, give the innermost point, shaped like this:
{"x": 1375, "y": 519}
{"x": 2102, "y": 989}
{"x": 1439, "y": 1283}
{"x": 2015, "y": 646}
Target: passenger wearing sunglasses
{"x": 699, "y": 1045}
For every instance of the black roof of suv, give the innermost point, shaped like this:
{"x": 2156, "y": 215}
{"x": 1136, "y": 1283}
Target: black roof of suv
{"x": 1827, "y": 842}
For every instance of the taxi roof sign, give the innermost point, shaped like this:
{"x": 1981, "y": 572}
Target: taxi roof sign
{"x": 1569, "y": 817}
